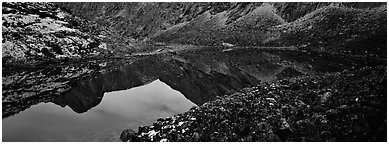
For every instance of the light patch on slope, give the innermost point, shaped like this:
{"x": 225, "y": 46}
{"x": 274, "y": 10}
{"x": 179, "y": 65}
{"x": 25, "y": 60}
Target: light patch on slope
{"x": 49, "y": 26}
{"x": 122, "y": 13}
{"x": 46, "y": 25}
{"x": 61, "y": 15}
{"x": 206, "y": 16}
{"x": 259, "y": 15}
{"x": 12, "y": 50}
{"x": 220, "y": 19}
{"x": 171, "y": 29}
{"x": 206, "y": 19}
{"x": 14, "y": 18}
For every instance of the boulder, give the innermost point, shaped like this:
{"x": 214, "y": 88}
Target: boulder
{"x": 128, "y": 135}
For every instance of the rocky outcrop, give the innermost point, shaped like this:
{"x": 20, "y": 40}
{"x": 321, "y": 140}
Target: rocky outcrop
{"x": 41, "y": 31}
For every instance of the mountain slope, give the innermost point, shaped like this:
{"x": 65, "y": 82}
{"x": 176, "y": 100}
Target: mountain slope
{"x": 339, "y": 29}
{"x": 213, "y": 29}
{"x": 201, "y": 23}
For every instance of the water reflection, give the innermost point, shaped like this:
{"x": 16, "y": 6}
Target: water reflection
{"x": 118, "y": 110}
{"x": 198, "y": 85}
{"x": 147, "y": 102}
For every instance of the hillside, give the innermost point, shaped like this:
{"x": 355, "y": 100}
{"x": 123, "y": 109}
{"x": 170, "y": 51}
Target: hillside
{"x": 339, "y": 29}
{"x": 213, "y": 29}
{"x": 241, "y": 24}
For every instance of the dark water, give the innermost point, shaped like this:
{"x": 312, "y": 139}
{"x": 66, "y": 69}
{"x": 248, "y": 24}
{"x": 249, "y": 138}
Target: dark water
{"x": 118, "y": 110}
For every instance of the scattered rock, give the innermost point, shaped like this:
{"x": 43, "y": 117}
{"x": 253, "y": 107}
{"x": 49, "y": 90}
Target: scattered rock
{"x": 325, "y": 97}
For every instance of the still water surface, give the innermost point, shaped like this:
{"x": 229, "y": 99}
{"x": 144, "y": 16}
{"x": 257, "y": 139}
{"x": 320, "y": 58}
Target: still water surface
{"x": 118, "y": 110}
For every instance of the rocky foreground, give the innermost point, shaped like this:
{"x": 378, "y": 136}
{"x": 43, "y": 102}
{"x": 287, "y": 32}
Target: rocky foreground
{"x": 342, "y": 106}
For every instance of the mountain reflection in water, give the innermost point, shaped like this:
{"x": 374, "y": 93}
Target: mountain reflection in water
{"x": 120, "y": 109}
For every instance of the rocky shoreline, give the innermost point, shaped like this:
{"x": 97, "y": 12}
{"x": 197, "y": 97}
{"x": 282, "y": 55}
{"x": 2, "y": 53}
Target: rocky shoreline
{"x": 341, "y": 106}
